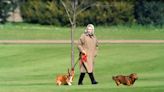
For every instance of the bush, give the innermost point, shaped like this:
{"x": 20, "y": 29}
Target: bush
{"x": 149, "y": 12}
{"x": 108, "y": 13}
{"x": 6, "y": 6}
{"x": 52, "y": 12}
{"x": 43, "y": 12}
{"x": 121, "y": 12}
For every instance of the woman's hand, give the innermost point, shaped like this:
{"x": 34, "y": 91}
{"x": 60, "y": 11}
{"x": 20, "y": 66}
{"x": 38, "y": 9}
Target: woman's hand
{"x": 84, "y": 52}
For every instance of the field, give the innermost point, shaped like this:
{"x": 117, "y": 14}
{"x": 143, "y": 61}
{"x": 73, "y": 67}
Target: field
{"x": 33, "y": 67}
{"x": 38, "y": 32}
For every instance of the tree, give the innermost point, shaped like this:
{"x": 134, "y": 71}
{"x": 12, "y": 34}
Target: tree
{"x": 6, "y": 6}
{"x": 73, "y": 8}
{"x": 149, "y": 12}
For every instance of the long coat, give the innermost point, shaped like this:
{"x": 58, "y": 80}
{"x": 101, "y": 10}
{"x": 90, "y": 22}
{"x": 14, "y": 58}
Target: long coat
{"x": 89, "y": 44}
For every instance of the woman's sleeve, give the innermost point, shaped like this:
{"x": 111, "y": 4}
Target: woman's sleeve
{"x": 97, "y": 43}
{"x": 80, "y": 43}
{"x": 96, "y": 49}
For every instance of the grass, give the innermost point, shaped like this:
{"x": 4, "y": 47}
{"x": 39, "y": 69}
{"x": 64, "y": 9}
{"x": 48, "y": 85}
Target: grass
{"x": 37, "y": 32}
{"x": 32, "y": 68}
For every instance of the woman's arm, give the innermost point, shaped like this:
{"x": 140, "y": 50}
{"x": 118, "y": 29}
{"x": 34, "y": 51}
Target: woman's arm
{"x": 80, "y": 43}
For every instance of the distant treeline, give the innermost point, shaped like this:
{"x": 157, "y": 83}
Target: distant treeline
{"x": 109, "y": 12}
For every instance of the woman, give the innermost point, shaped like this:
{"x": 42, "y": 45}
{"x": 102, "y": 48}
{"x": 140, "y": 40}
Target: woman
{"x": 87, "y": 45}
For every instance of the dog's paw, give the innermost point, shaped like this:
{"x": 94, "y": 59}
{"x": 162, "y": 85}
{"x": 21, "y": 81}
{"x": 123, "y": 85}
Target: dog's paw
{"x": 69, "y": 84}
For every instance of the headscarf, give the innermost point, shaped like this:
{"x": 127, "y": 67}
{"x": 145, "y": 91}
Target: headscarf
{"x": 88, "y": 33}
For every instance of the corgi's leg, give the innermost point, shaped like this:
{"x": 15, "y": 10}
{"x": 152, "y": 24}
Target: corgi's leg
{"x": 71, "y": 79}
{"x": 58, "y": 83}
{"x": 118, "y": 83}
{"x": 128, "y": 83}
{"x": 69, "y": 83}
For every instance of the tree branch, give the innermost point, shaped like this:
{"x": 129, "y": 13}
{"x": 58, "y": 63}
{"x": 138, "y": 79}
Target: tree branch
{"x": 83, "y": 9}
{"x": 81, "y": 4}
{"x": 67, "y": 11}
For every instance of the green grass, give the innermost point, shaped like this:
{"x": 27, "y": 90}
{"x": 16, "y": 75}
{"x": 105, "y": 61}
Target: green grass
{"x": 37, "y": 32}
{"x": 32, "y": 68}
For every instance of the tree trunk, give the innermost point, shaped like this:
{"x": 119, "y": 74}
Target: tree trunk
{"x": 72, "y": 12}
{"x": 72, "y": 32}
{"x": 72, "y": 45}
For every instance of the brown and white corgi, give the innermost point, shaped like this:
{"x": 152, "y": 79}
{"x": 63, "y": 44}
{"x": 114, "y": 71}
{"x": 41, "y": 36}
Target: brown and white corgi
{"x": 65, "y": 79}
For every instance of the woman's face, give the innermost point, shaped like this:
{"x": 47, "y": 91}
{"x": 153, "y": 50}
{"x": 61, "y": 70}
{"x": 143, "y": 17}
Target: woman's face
{"x": 90, "y": 29}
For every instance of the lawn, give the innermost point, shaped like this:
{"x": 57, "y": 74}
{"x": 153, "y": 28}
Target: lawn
{"x": 33, "y": 67}
{"x": 39, "y": 32}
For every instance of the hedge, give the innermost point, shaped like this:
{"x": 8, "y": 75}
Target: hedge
{"x": 110, "y": 12}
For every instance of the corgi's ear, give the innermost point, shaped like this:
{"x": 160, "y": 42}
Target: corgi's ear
{"x": 131, "y": 75}
{"x": 72, "y": 69}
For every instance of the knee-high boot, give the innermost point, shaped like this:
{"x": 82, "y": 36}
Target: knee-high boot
{"x": 81, "y": 79}
{"x": 92, "y": 78}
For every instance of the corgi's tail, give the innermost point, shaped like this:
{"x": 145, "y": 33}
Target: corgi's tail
{"x": 113, "y": 77}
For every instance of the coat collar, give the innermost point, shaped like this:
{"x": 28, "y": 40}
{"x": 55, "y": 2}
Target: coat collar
{"x": 86, "y": 33}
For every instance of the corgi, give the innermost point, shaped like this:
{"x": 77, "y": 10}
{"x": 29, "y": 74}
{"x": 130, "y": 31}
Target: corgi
{"x": 65, "y": 79}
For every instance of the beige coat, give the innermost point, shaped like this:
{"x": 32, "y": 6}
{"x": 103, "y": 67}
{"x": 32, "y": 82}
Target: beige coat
{"x": 89, "y": 45}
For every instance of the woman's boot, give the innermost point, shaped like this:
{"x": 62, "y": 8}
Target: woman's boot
{"x": 81, "y": 79}
{"x": 92, "y": 78}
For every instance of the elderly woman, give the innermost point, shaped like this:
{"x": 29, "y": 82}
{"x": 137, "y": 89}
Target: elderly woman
{"x": 87, "y": 46}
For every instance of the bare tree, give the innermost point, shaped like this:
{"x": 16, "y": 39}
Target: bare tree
{"x": 73, "y": 8}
